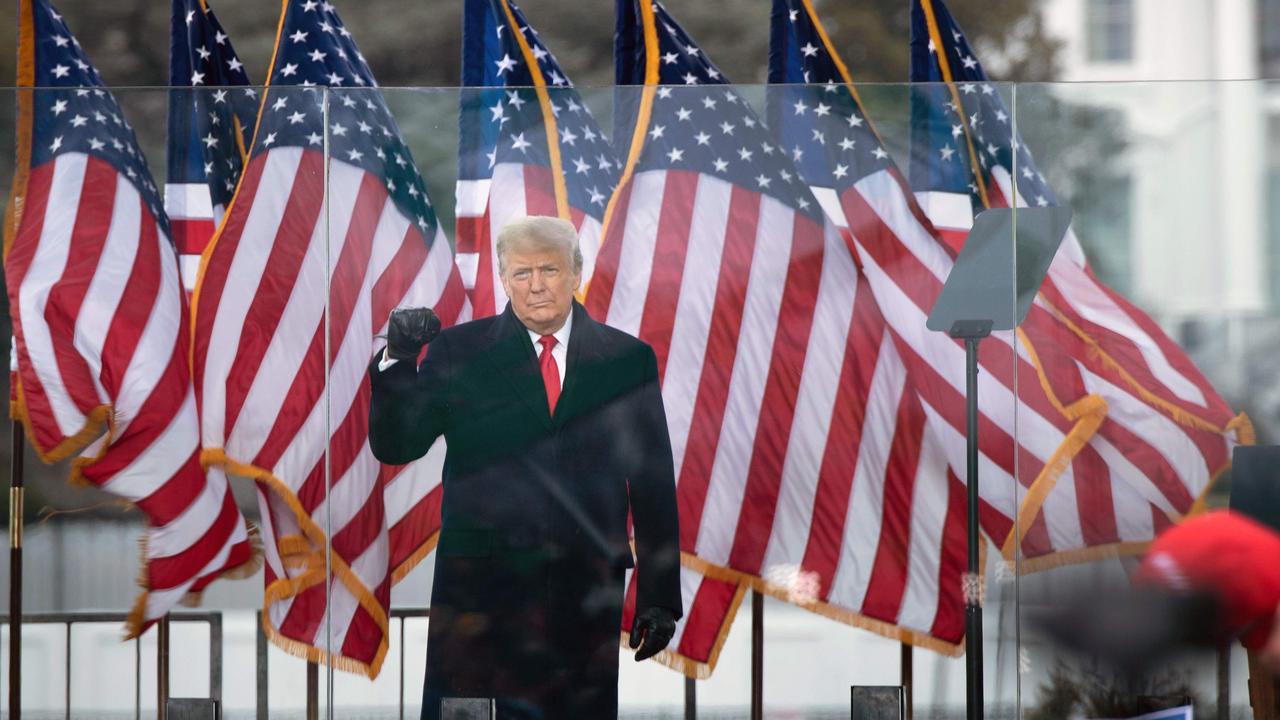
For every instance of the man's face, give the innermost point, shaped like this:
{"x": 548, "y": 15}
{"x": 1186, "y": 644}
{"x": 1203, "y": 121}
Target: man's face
{"x": 541, "y": 286}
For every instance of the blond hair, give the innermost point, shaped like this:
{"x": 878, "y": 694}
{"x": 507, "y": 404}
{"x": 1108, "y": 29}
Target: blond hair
{"x": 539, "y": 233}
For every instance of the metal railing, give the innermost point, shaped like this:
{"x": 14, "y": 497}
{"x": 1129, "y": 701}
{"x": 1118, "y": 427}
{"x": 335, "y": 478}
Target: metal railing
{"x": 261, "y": 651}
{"x": 313, "y": 669}
{"x": 68, "y": 619}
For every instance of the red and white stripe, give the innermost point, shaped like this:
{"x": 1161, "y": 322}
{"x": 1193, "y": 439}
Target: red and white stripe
{"x": 192, "y": 219}
{"x": 1120, "y": 329}
{"x": 1137, "y": 465}
{"x": 265, "y": 383}
{"x": 485, "y": 206}
{"x": 101, "y": 332}
{"x": 802, "y": 457}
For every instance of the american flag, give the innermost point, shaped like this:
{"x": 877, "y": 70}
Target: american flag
{"x": 840, "y": 155}
{"x": 100, "y": 320}
{"x": 210, "y": 126}
{"x": 528, "y": 146}
{"x": 1095, "y": 478}
{"x": 281, "y": 366}
{"x": 1163, "y": 415}
{"x": 800, "y": 459}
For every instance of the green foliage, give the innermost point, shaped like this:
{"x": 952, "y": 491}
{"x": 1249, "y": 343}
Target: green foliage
{"x": 417, "y": 42}
{"x": 1008, "y": 36}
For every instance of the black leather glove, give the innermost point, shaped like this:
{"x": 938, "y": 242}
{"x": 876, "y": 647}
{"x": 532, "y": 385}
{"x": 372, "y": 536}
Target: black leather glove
{"x": 656, "y": 625}
{"x": 408, "y": 330}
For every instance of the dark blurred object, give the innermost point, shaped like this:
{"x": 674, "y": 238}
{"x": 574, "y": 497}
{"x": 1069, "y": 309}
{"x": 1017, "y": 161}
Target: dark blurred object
{"x": 191, "y": 709}
{"x": 877, "y": 702}
{"x": 1255, "y": 483}
{"x": 1134, "y": 630}
{"x": 1088, "y": 689}
{"x": 1227, "y": 553}
{"x": 1156, "y": 703}
{"x": 453, "y": 708}
{"x": 1263, "y": 696}
{"x": 408, "y": 330}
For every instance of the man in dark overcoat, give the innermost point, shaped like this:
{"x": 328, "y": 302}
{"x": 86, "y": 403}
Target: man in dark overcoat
{"x": 555, "y": 432}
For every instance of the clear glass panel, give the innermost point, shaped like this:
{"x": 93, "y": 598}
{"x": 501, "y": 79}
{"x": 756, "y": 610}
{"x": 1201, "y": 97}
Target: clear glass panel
{"x": 960, "y": 135}
{"x": 796, "y": 379}
{"x": 1162, "y": 293}
{"x": 81, "y": 542}
{"x": 783, "y": 382}
{"x": 263, "y": 385}
{"x": 818, "y": 431}
{"x": 98, "y": 284}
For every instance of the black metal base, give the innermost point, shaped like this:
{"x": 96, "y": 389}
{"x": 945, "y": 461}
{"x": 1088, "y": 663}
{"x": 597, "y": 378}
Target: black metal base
{"x": 973, "y": 662}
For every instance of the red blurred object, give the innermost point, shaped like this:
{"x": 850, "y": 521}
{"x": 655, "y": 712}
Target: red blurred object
{"x": 1230, "y": 555}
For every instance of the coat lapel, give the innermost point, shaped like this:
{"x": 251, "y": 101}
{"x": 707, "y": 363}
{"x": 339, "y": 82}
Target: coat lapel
{"x": 513, "y": 358}
{"x": 584, "y": 349}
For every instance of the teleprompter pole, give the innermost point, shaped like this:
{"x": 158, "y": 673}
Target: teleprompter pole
{"x": 991, "y": 286}
{"x": 973, "y": 578}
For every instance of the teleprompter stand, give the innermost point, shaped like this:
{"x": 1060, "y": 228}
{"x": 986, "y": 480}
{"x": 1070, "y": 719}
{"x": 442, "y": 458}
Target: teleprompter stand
{"x": 991, "y": 287}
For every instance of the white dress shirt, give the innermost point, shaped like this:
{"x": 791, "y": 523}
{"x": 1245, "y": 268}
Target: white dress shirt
{"x": 560, "y": 351}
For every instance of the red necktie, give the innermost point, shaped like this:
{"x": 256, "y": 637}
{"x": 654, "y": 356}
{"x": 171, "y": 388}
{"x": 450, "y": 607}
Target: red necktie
{"x": 550, "y": 371}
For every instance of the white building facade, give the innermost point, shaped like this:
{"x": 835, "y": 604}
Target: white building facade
{"x": 1202, "y": 155}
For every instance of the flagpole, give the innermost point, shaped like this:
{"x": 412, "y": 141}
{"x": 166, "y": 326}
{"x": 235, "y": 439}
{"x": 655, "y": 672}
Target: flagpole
{"x": 162, "y": 668}
{"x": 690, "y": 697}
{"x": 313, "y": 690}
{"x": 906, "y": 676}
{"x": 757, "y": 655}
{"x": 15, "y": 568}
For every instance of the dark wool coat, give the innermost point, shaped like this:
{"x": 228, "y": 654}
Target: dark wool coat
{"x": 527, "y": 599}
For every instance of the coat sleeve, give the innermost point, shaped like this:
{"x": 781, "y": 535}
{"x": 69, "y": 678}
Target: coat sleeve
{"x": 652, "y": 490}
{"x": 409, "y": 406}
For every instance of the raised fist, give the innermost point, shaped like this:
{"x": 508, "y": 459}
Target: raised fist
{"x": 408, "y": 330}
